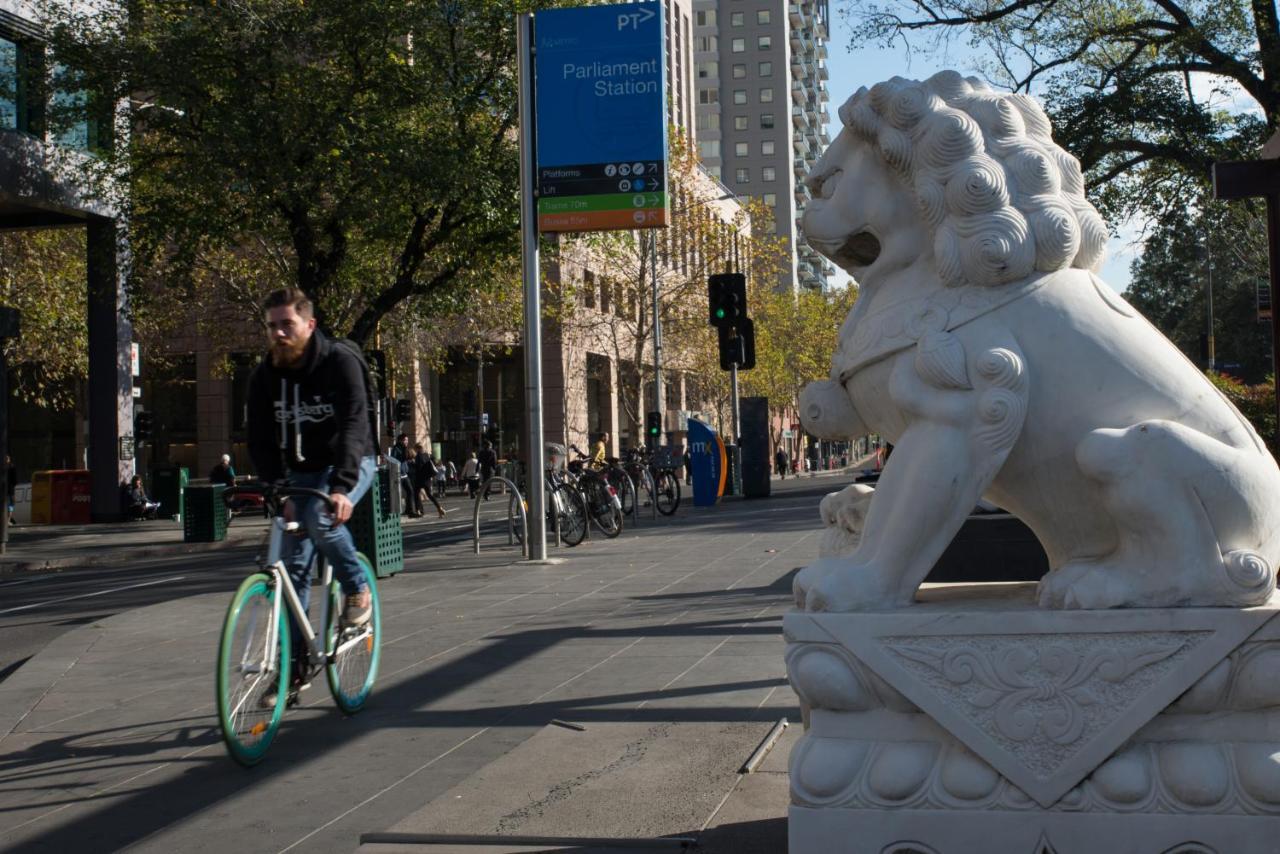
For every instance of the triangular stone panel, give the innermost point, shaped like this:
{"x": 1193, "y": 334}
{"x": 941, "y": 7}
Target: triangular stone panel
{"x": 1043, "y": 696}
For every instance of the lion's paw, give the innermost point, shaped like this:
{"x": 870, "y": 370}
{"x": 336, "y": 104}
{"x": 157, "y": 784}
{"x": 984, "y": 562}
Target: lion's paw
{"x": 1087, "y": 584}
{"x": 840, "y": 585}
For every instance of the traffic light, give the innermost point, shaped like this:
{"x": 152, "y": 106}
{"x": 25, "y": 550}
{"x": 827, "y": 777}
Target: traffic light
{"x": 653, "y": 426}
{"x": 403, "y": 410}
{"x": 738, "y": 346}
{"x": 727, "y": 298}
{"x": 142, "y": 426}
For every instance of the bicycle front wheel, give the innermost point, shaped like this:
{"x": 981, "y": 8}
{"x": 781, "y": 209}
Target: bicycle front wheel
{"x": 353, "y": 653}
{"x": 253, "y": 670}
{"x": 668, "y": 488}
{"x": 573, "y": 514}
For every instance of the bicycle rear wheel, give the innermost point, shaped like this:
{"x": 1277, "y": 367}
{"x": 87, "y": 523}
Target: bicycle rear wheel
{"x": 668, "y": 487}
{"x": 253, "y": 661}
{"x": 573, "y": 514}
{"x": 353, "y": 653}
{"x": 604, "y": 507}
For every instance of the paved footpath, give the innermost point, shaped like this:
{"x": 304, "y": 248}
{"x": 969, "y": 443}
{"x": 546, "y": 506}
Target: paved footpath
{"x": 108, "y": 737}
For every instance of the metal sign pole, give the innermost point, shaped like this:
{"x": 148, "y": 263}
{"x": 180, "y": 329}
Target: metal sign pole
{"x": 659, "y": 390}
{"x": 537, "y": 535}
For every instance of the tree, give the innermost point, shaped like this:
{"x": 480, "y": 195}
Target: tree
{"x": 1170, "y": 285}
{"x": 1117, "y": 79}
{"x": 363, "y": 151}
{"x": 42, "y": 274}
{"x": 796, "y": 336}
{"x": 616, "y": 310}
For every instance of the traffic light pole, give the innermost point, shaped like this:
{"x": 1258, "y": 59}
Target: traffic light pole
{"x": 733, "y": 384}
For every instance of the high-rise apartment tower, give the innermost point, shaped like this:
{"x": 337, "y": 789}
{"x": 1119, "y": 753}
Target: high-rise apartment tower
{"x": 762, "y": 108}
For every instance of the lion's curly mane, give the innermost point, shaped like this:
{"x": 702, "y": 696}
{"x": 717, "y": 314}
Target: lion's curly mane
{"x": 1002, "y": 198}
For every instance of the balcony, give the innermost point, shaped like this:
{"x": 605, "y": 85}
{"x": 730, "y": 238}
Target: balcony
{"x": 799, "y": 118}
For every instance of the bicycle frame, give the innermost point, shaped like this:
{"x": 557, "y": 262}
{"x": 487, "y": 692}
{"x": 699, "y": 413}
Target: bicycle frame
{"x": 274, "y": 566}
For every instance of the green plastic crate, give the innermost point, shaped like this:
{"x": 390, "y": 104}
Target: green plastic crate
{"x": 376, "y": 530}
{"x": 204, "y": 519}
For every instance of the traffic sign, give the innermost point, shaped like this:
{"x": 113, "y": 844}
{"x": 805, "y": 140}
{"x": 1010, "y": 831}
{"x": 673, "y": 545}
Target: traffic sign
{"x": 601, "y": 105}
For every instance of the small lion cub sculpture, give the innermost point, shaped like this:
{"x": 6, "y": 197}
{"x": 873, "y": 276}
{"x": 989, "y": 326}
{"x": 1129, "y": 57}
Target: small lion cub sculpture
{"x": 986, "y": 349}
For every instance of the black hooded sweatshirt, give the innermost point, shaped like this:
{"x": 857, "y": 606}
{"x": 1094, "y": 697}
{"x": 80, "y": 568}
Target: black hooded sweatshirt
{"x": 310, "y": 417}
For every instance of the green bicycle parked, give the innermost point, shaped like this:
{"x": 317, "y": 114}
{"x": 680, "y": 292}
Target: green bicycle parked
{"x": 254, "y": 656}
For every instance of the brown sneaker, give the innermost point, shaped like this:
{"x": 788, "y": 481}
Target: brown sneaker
{"x": 358, "y": 609}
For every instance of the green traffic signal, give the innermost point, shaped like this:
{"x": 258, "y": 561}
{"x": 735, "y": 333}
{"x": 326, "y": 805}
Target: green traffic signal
{"x": 720, "y": 313}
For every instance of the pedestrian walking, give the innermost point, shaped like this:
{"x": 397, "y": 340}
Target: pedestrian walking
{"x": 471, "y": 475}
{"x": 780, "y": 463}
{"x": 488, "y": 461}
{"x": 413, "y": 507}
{"x": 424, "y": 478}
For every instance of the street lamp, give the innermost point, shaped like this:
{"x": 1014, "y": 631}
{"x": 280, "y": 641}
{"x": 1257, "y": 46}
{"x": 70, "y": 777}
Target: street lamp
{"x": 659, "y": 390}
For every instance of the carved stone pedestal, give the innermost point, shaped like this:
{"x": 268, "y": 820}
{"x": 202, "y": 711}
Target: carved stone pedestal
{"x": 974, "y": 722}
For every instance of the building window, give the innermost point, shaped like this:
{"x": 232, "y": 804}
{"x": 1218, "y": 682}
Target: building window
{"x": 742, "y": 176}
{"x": 766, "y": 120}
{"x": 768, "y": 173}
{"x": 714, "y": 172}
{"x": 736, "y": 19}
{"x": 766, "y": 95}
{"x": 739, "y": 96}
{"x": 709, "y": 148}
{"x": 708, "y": 43}
{"x": 766, "y": 69}
{"x": 766, "y": 147}
{"x": 739, "y": 71}
{"x": 771, "y": 199}
{"x": 589, "y": 288}
{"x": 740, "y": 149}
{"x": 708, "y": 69}
{"x": 708, "y": 121}
{"x": 708, "y": 96}
{"x": 16, "y": 112}
{"x": 739, "y": 122}
{"x": 765, "y": 42}
{"x": 762, "y": 17}
{"x": 705, "y": 19}
{"x": 739, "y": 45}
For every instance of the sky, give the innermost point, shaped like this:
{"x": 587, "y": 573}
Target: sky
{"x": 870, "y": 65}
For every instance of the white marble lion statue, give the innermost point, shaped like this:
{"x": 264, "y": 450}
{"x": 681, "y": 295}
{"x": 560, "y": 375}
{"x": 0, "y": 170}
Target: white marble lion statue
{"x": 986, "y": 349}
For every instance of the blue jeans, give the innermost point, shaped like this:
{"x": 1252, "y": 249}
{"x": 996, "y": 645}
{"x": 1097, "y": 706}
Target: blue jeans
{"x": 334, "y": 543}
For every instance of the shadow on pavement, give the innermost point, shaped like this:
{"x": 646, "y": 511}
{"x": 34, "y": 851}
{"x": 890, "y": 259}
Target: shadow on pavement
{"x": 210, "y": 777}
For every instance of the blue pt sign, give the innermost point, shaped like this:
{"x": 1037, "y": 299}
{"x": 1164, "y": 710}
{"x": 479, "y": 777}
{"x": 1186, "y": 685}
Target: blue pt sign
{"x": 600, "y": 96}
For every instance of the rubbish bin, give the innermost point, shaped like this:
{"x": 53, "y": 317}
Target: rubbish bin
{"x": 167, "y": 485}
{"x": 204, "y": 517}
{"x": 60, "y": 497}
{"x": 375, "y": 525}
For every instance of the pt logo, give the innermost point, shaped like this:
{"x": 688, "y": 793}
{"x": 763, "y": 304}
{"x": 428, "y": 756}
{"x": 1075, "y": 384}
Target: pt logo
{"x": 633, "y": 20}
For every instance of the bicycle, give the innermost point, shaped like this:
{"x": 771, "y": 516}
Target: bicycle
{"x": 601, "y": 498}
{"x": 254, "y": 650}
{"x": 666, "y": 485}
{"x": 562, "y": 501}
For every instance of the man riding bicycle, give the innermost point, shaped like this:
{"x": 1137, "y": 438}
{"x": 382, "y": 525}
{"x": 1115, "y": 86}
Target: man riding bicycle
{"x": 308, "y": 420}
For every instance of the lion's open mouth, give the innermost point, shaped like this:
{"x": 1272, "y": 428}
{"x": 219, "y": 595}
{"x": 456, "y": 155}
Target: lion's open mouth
{"x": 860, "y": 250}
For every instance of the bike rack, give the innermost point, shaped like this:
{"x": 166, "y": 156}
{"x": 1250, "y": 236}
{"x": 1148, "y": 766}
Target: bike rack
{"x": 517, "y": 500}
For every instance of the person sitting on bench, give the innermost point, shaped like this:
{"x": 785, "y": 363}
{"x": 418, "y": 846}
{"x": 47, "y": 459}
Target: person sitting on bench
{"x": 136, "y": 503}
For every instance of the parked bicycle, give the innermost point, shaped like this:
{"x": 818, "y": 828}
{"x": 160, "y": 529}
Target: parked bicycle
{"x": 604, "y": 506}
{"x": 254, "y": 656}
{"x": 563, "y": 503}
